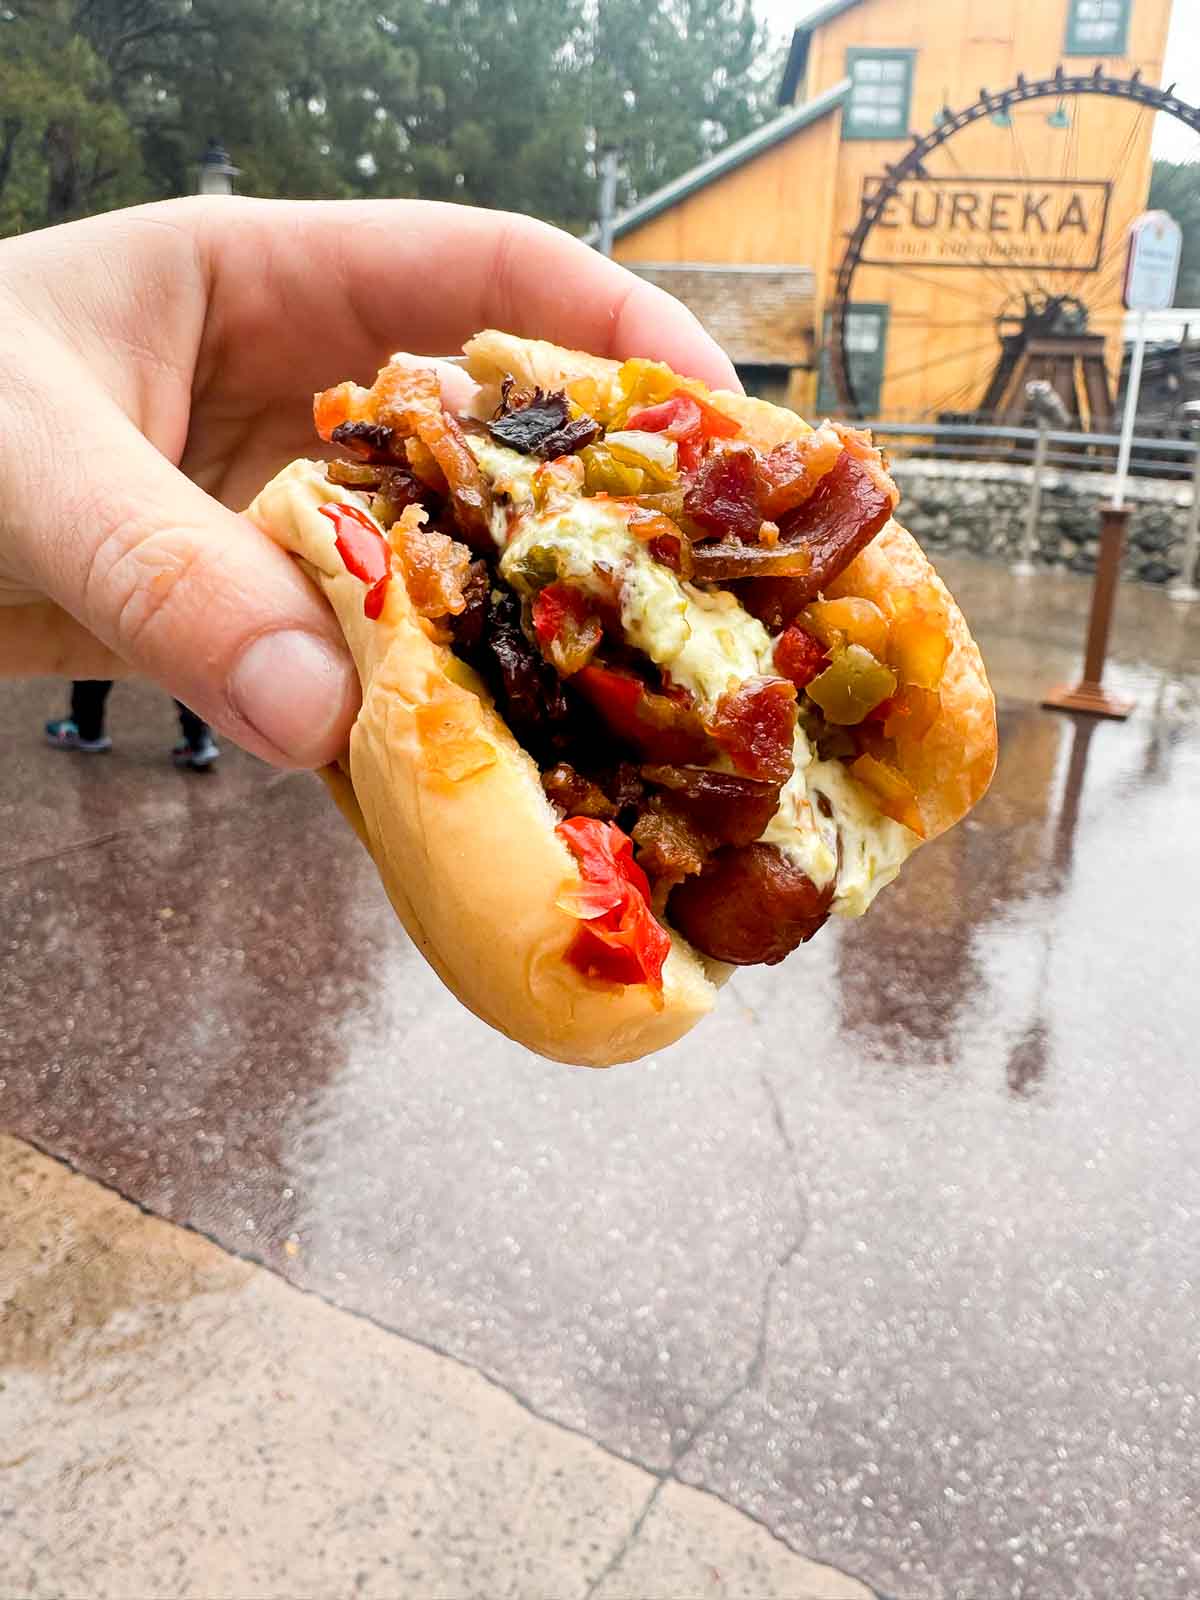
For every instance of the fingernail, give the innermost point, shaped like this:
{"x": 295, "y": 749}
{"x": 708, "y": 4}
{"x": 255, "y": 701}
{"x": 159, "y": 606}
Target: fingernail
{"x": 297, "y": 693}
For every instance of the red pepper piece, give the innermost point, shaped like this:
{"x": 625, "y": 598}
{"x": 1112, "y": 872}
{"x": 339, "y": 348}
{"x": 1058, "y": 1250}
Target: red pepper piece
{"x": 620, "y": 941}
{"x": 659, "y": 727}
{"x": 551, "y": 608}
{"x": 800, "y": 655}
{"x": 686, "y": 412}
{"x": 715, "y": 423}
{"x": 364, "y": 550}
{"x": 375, "y": 596}
{"x": 688, "y": 420}
{"x": 566, "y": 627}
{"x": 675, "y": 416}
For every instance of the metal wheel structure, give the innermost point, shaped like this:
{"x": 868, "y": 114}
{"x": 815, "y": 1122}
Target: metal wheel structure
{"x": 1012, "y": 320}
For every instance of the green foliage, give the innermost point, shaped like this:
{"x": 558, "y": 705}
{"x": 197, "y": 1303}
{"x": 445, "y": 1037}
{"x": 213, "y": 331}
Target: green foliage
{"x": 1175, "y": 187}
{"x": 671, "y": 83}
{"x": 63, "y": 135}
{"x": 493, "y": 102}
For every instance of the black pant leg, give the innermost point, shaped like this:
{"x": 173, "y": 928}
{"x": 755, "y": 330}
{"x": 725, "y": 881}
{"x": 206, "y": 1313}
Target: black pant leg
{"x": 194, "y": 730}
{"x": 88, "y": 697}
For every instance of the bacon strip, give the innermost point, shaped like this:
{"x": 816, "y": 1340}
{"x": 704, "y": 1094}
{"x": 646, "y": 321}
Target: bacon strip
{"x": 755, "y": 725}
{"x": 436, "y": 568}
{"x": 840, "y": 518}
{"x": 405, "y": 403}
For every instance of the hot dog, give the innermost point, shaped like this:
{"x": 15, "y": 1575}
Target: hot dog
{"x": 653, "y": 683}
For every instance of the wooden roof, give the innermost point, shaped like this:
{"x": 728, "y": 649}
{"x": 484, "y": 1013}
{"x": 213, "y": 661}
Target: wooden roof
{"x": 727, "y": 159}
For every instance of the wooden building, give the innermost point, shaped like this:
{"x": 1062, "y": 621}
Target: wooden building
{"x": 1015, "y": 224}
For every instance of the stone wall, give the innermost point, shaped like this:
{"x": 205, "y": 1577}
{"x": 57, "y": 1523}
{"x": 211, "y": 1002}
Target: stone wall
{"x": 980, "y": 506}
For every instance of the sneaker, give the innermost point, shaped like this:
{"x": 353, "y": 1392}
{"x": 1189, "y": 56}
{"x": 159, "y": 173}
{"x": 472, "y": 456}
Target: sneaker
{"x": 198, "y": 756}
{"x": 64, "y": 735}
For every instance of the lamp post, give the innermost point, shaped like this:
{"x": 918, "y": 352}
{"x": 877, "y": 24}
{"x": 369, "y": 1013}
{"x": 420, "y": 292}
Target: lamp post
{"x": 216, "y": 172}
{"x": 608, "y": 168}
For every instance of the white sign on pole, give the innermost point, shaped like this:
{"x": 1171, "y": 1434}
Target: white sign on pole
{"x": 1152, "y": 265}
{"x": 1151, "y": 268}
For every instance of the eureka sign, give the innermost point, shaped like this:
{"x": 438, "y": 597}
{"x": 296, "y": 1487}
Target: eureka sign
{"x": 1052, "y": 224}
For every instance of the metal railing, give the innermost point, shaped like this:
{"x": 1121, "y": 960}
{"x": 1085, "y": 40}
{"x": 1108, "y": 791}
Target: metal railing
{"x": 1155, "y": 455}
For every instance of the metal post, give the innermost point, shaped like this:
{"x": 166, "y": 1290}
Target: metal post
{"x": 1130, "y": 417}
{"x": 1023, "y": 567}
{"x": 608, "y": 198}
{"x": 1184, "y": 586}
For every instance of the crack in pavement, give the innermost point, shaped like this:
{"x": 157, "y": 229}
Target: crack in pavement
{"x": 629, "y": 1540}
{"x": 754, "y": 1366}
{"x": 748, "y": 1380}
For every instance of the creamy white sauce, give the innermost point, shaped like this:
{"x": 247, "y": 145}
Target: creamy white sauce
{"x": 708, "y": 645}
{"x": 873, "y": 846}
{"x": 800, "y": 828}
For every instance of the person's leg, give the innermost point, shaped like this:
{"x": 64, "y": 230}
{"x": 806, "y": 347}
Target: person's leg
{"x": 84, "y": 728}
{"x": 89, "y": 697}
{"x": 194, "y": 730}
{"x": 197, "y": 748}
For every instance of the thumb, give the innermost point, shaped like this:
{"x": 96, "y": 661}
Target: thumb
{"x": 188, "y": 593}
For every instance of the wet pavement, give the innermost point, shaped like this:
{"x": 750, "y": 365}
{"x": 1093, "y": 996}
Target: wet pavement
{"x": 896, "y": 1256}
{"x": 178, "y": 1422}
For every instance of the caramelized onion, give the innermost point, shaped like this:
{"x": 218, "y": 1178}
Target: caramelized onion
{"x": 436, "y": 568}
{"x": 725, "y": 806}
{"x": 731, "y": 559}
{"x": 669, "y": 845}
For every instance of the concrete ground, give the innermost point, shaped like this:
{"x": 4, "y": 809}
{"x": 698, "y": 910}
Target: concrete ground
{"x": 883, "y": 1281}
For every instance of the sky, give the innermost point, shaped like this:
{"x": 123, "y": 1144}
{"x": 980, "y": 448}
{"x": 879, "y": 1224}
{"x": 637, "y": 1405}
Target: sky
{"x": 1172, "y": 140}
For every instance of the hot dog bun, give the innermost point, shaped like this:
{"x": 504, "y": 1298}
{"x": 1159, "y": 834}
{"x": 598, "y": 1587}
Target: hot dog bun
{"x": 451, "y": 807}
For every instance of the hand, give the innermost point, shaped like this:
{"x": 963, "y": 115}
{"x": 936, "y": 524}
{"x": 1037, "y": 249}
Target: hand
{"x": 157, "y": 366}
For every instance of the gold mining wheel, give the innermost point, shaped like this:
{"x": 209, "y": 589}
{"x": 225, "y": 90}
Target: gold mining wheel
{"x": 1005, "y": 277}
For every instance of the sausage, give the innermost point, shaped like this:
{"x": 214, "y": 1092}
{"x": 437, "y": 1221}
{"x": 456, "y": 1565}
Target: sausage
{"x": 750, "y": 904}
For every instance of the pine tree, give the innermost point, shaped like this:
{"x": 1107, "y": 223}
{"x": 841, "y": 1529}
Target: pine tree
{"x": 490, "y": 102}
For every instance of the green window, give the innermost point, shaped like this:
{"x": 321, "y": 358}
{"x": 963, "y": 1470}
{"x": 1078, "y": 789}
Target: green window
{"x": 1097, "y": 27}
{"x": 866, "y": 345}
{"x": 880, "y": 92}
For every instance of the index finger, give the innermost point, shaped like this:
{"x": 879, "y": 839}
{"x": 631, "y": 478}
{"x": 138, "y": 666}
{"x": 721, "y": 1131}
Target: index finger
{"x": 374, "y": 276}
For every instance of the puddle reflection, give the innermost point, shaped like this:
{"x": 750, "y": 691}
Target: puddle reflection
{"x": 912, "y": 976}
